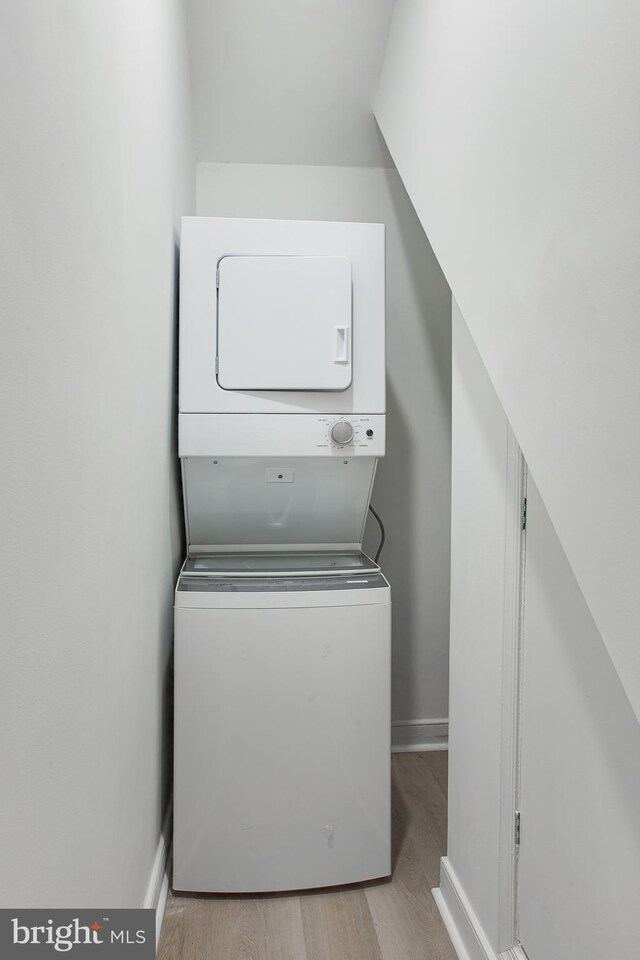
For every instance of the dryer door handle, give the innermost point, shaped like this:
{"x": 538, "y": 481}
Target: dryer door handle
{"x": 342, "y": 345}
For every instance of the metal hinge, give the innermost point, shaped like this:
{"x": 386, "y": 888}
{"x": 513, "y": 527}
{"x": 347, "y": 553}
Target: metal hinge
{"x": 524, "y": 513}
{"x": 517, "y": 828}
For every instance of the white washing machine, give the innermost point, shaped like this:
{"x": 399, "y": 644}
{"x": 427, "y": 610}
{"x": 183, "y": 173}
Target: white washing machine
{"x": 282, "y": 624}
{"x": 282, "y": 722}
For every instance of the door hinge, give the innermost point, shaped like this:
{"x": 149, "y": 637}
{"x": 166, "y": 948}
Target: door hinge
{"x": 517, "y": 828}
{"x": 524, "y": 513}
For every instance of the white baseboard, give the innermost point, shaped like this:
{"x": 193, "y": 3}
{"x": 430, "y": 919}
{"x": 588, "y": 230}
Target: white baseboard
{"x": 162, "y": 902}
{"x": 515, "y": 953}
{"x": 412, "y": 735}
{"x": 158, "y": 886}
{"x": 419, "y": 747}
{"x": 456, "y": 940}
{"x": 467, "y": 936}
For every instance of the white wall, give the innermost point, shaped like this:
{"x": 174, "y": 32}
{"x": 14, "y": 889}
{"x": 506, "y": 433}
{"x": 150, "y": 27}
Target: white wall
{"x": 579, "y": 860}
{"x": 514, "y": 128}
{"x": 479, "y": 482}
{"x": 96, "y": 171}
{"x": 290, "y": 81}
{"x": 580, "y": 771}
{"x": 412, "y": 486}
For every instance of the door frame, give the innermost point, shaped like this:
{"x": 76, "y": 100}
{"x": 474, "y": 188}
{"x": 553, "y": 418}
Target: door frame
{"x": 512, "y": 651}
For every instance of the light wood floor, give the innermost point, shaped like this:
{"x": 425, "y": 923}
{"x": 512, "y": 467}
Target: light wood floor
{"x": 393, "y": 920}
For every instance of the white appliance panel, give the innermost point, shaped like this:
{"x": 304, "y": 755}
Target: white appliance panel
{"x": 284, "y": 323}
{"x": 208, "y": 241}
{"x": 282, "y": 776}
{"x": 277, "y": 435}
{"x": 270, "y": 500}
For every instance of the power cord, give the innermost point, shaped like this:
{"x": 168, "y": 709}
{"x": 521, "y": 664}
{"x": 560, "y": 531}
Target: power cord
{"x": 382, "y": 533}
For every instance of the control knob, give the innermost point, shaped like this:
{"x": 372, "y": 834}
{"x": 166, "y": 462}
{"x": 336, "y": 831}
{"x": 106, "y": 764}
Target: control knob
{"x": 342, "y": 432}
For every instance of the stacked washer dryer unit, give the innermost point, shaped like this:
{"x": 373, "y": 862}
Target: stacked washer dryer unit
{"x": 282, "y": 624}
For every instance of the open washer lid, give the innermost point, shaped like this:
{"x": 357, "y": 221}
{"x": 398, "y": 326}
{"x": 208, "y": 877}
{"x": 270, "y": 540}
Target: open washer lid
{"x": 269, "y": 504}
{"x": 279, "y": 564}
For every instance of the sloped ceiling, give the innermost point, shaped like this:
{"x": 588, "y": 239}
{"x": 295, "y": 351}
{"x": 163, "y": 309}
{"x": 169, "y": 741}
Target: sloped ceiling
{"x": 287, "y": 81}
{"x": 515, "y": 130}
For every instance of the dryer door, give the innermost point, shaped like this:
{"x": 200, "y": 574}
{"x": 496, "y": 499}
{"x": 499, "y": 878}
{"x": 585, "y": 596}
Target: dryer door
{"x": 284, "y": 323}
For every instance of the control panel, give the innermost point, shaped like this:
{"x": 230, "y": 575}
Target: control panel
{"x": 343, "y": 432}
{"x": 281, "y": 435}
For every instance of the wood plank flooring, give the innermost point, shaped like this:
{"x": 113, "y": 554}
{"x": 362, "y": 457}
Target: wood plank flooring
{"x": 393, "y": 920}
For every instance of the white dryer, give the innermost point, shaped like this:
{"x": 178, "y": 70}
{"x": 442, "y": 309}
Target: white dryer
{"x": 282, "y": 625}
{"x": 280, "y": 316}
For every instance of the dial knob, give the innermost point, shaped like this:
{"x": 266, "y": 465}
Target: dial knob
{"x": 342, "y": 432}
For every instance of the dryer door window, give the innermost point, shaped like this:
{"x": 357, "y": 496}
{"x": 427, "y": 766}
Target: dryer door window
{"x": 284, "y": 323}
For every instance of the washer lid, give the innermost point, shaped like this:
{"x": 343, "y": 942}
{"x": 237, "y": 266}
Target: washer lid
{"x": 279, "y": 564}
{"x": 284, "y": 323}
{"x": 299, "y": 584}
{"x": 276, "y": 503}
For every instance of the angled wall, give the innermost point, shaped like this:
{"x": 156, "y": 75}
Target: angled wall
{"x": 579, "y": 739}
{"x": 96, "y": 169}
{"x": 479, "y": 534}
{"x": 515, "y": 130}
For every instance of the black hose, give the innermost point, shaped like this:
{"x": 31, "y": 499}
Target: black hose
{"x": 382, "y": 533}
